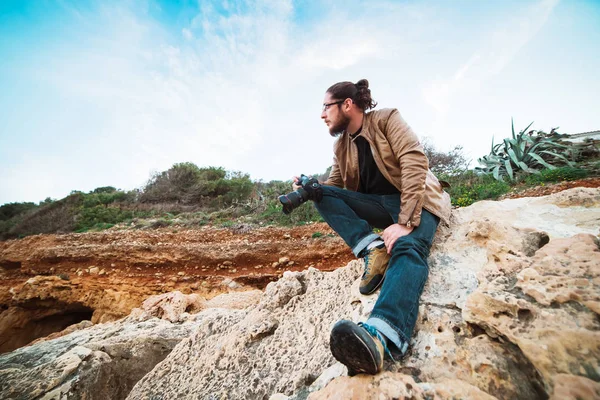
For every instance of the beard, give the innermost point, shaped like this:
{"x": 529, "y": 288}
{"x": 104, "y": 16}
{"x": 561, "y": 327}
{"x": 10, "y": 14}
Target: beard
{"x": 340, "y": 125}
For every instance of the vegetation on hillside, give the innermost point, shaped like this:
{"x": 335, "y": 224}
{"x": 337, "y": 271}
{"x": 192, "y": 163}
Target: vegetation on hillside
{"x": 189, "y": 196}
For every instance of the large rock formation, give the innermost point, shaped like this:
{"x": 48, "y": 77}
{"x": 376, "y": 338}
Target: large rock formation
{"x": 48, "y": 282}
{"x": 511, "y": 310}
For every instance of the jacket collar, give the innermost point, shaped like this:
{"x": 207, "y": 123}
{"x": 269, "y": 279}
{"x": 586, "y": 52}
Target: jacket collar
{"x": 365, "y": 130}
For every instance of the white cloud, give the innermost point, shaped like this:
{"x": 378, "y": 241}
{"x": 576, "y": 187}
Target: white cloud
{"x": 187, "y": 34}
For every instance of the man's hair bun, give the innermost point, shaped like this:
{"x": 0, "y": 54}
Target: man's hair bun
{"x": 362, "y": 83}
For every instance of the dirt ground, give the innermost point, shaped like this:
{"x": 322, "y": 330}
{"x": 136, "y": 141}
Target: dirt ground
{"x": 169, "y": 259}
{"x": 554, "y": 188}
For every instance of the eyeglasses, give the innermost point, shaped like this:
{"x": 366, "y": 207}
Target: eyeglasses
{"x": 327, "y": 105}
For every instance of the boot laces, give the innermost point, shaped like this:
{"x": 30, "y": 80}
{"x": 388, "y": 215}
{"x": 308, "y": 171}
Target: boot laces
{"x": 375, "y": 333}
{"x": 367, "y": 264}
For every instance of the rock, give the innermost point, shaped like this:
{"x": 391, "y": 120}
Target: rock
{"x": 169, "y": 306}
{"x": 94, "y": 270}
{"x": 574, "y": 387}
{"x": 72, "y": 328}
{"x": 284, "y": 260}
{"x": 389, "y": 386}
{"x": 103, "y": 361}
{"x": 294, "y": 307}
{"x": 181, "y": 273}
{"x": 227, "y": 263}
{"x": 233, "y": 285}
{"x": 235, "y": 300}
{"x": 551, "y": 311}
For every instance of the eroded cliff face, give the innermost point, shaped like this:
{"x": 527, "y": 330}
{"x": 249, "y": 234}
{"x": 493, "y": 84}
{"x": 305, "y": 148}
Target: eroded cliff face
{"x": 511, "y": 310}
{"x": 48, "y": 282}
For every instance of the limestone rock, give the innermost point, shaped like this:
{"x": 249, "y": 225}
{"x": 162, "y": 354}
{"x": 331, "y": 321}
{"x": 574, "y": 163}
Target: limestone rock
{"x": 569, "y": 387}
{"x": 100, "y": 362}
{"x": 235, "y": 300}
{"x": 544, "y": 308}
{"x": 281, "y": 345}
{"x": 390, "y": 386}
{"x": 170, "y": 306}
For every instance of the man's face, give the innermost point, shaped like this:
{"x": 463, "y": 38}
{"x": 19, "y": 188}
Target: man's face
{"x": 333, "y": 115}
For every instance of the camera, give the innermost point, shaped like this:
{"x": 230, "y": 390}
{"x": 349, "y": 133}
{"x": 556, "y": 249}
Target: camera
{"x": 310, "y": 190}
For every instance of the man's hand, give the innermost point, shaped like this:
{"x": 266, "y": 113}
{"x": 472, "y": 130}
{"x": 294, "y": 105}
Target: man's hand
{"x": 295, "y": 186}
{"x": 392, "y": 233}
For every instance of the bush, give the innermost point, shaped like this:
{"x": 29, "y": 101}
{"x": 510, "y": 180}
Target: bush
{"x": 557, "y": 175}
{"x": 57, "y": 216}
{"x": 11, "y": 210}
{"x": 100, "y": 216}
{"x": 205, "y": 187}
{"x": 469, "y": 187}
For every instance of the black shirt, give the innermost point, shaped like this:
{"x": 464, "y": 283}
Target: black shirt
{"x": 371, "y": 180}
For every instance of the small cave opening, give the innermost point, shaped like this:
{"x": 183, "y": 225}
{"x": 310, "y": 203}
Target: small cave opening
{"x": 29, "y": 324}
{"x": 10, "y": 265}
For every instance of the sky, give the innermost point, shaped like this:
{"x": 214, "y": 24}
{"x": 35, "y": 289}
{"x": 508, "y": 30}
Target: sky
{"x": 108, "y": 93}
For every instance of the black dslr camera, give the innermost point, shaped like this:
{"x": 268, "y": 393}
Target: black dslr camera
{"x": 310, "y": 190}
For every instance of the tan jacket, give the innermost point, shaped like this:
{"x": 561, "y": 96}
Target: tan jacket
{"x": 400, "y": 158}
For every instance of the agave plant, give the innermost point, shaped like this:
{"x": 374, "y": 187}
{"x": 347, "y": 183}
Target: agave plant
{"x": 528, "y": 152}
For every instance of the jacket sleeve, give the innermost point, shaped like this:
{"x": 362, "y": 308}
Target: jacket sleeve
{"x": 335, "y": 178}
{"x": 413, "y": 168}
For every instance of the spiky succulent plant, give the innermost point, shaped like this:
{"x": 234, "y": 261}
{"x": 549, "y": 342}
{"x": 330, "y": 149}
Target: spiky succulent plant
{"x": 528, "y": 151}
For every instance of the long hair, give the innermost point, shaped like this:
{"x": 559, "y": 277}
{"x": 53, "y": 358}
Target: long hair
{"x": 359, "y": 92}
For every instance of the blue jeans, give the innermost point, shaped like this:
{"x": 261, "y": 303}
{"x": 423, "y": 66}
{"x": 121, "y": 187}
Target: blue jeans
{"x": 353, "y": 215}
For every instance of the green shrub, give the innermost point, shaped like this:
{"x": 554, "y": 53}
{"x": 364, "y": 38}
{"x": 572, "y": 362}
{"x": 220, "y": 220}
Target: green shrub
{"x": 56, "y": 216}
{"x": 11, "y": 210}
{"x": 557, "y": 175}
{"x": 185, "y": 183}
{"x": 469, "y": 187}
{"x": 97, "y": 216}
{"x": 316, "y": 235}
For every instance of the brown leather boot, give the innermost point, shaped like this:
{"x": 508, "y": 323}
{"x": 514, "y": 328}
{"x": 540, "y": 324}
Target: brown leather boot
{"x": 376, "y": 263}
{"x": 360, "y": 347}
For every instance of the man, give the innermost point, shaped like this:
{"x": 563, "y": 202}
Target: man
{"x": 380, "y": 178}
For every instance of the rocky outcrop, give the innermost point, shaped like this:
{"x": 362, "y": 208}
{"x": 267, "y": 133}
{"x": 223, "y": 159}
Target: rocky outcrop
{"x": 105, "y": 361}
{"x": 510, "y": 311}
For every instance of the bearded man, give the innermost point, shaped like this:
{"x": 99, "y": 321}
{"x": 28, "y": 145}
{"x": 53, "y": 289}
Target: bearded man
{"x": 380, "y": 178}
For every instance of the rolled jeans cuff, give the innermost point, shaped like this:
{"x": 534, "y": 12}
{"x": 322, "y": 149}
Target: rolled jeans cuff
{"x": 389, "y": 332}
{"x": 364, "y": 243}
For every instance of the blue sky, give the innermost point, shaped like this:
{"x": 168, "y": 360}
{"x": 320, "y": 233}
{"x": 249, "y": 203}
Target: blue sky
{"x": 105, "y": 93}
